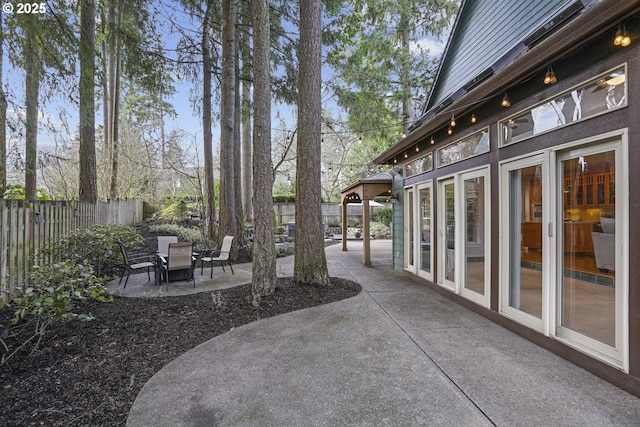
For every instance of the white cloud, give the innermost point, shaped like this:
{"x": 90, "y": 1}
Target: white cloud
{"x": 433, "y": 46}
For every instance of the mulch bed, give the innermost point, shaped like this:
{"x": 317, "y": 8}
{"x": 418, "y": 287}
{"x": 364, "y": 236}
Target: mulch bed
{"x": 89, "y": 373}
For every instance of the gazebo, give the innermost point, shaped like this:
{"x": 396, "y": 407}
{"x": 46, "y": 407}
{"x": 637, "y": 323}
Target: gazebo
{"x": 363, "y": 191}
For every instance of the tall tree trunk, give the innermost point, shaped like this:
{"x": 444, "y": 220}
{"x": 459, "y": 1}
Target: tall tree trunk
{"x": 228, "y": 224}
{"x": 246, "y": 115}
{"x": 115, "y": 19}
{"x": 3, "y": 118}
{"x": 88, "y": 190}
{"x": 237, "y": 155}
{"x": 246, "y": 151}
{"x": 310, "y": 263}
{"x": 32, "y": 88}
{"x": 264, "y": 255}
{"x": 210, "y": 202}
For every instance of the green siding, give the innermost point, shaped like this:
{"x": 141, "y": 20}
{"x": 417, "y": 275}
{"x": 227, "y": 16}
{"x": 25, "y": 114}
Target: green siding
{"x": 398, "y": 224}
{"x": 485, "y": 31}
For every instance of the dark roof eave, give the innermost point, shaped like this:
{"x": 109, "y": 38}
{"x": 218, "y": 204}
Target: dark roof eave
{"x": 567, "y": 39}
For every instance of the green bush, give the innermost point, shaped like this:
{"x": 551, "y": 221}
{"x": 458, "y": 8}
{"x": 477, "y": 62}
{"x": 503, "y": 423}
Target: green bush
{"x": 379, "y": 230}
{"x": 97, "y": 246}
{"x": 384, "y": 215}
{"x": 55, "y": 289}
{"x": 184, "y": 234}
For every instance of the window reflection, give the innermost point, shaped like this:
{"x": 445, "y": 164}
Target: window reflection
{"x": 600, "y": 95}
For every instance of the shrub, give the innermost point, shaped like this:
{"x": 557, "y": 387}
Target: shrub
{"x": 384, "y": 215}
{"x": 98, "y": 246}
{"x": 379, "y": 230}
{"x": 184, "y": 234}
{"x": 51, "y": 297}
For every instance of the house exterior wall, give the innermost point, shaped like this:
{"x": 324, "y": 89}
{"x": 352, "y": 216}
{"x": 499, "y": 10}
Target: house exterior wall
{"x": 398, "y": 213}
{"x": 622, "y": 124}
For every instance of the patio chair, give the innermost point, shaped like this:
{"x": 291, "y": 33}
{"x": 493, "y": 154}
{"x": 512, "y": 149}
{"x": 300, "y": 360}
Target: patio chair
{"x": 163, "y": 243}
{"x": 221, "y": 257}
{"x": 179, "y": 257}
{"x": 136, "y": 262}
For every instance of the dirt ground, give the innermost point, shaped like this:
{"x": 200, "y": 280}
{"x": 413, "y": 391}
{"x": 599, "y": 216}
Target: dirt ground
{"x": 89, "y": 373}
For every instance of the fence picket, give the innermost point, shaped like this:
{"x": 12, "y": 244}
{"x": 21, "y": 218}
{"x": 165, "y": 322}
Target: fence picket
{"x": 26, "y": 228}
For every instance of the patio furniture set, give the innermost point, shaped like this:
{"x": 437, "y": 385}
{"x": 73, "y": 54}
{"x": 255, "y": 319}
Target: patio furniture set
{"x": 174, "y": 260}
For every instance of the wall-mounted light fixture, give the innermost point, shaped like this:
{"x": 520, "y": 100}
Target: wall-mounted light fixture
{"x": 393, "y": 199}
{"x": 550, "y": 77}
{"x": 506, "y": 102}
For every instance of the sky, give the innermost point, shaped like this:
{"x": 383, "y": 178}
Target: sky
{"x": 56, "y": 132}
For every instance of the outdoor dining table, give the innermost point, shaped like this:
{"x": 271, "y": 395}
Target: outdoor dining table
{"x": 174, "y": 275}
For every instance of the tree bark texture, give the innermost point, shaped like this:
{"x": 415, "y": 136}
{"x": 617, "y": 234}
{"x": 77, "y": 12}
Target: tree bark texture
{"x": 310, "y": 264}
{"x": 32, "y": 89}
{"x": 115, "y": 19}
{"x": 264, "y": 255}
{"x": 237, "y": 152}
{"x": 228, "y": 225}
{"x": 209, "y": 185}
{"x": 245, "y": 52}
{"x": 3, "y": 119}
{"x": 88, "y": 185}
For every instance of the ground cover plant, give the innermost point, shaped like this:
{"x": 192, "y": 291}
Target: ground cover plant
{"x": 89, "y": 372}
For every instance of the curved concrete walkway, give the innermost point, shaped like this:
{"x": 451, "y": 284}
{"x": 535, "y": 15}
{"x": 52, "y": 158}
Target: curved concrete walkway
{"x": 397, "y": 354}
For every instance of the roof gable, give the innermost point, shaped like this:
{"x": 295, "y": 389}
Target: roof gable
{"x": 484, "y": 32}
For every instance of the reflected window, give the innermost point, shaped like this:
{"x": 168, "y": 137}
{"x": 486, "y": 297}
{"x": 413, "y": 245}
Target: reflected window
{"x": 464, "y": 148}
{"x": 598, "y": 96}
{"x": 419, "y": 165}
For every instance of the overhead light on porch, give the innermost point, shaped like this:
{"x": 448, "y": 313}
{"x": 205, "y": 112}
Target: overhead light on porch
{"x": 626, "y": 40}
{"x": 449, "y": 131}
{"x": 417, "y": 149}
{"x": 473, "y": 118}
{"x": 453, "y": 120}
{"x": 550, "y": 78}
{"x": 622, "y": 37}
{"x": 617, "y": 40}
{"x": 404, "y": 135}
{"x": 406, "y": 155}
{"x": 433, "y": 141}
{"x": 506, "y": 102}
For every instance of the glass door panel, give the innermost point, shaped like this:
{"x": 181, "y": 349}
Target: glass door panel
{"x": 587, "y": 293}
{"x": 474, "y": 234}
{"x": 409, "y": 230}
{"x": 446, "y": 231}
{"x": 425, "y": 237}
{"x": 522, "y": 242}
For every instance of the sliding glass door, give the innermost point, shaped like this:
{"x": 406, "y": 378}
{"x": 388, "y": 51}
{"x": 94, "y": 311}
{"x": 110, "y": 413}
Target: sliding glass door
{"x": 523, "y": 248}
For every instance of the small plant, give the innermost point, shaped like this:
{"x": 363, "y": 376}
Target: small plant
{"x": 218, "y": 299}
{"x": 51, "y": 298}
{"x": 379, "y": 230}
{"x": 184, "y": 234}
{"x": 384, "y": 215}
{"x": 98, "y": 246}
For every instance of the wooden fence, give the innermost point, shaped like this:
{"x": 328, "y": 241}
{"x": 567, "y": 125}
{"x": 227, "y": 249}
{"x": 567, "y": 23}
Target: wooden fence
{"x": 27, "y": 227}
{"x": 331, "y": 213}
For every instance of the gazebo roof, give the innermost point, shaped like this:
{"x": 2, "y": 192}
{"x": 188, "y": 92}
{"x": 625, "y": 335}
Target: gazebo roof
{"x": 367, "y": 188}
